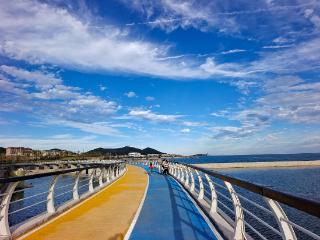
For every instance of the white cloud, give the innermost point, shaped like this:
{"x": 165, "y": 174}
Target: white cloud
{"x": 131, "y": 94}
{"x": 225, "y": 69}
{"x": 9, "y": 87}
{"x": 149, "y": 115}
{"x": 45, "y": 96}
{"x": 194, "y": 124}
{"x": 61, "y": 38}
{"x": 278, "y": 46}
{"x": 292, "y": 99}
{"x": 280, "y": 40}
{"x": 313, "y": 17}
{"x": 233, "y": 51}
{"x": 302, "y": 57}
{"x": 149, "y": 98}
{"x": 62, "y": 136}
{"x": 99, "y": 128}
{"x": 221, "y": 113}
{"x": 39, "y": 79}
{"x": 103, "y": 88}
{"x": 185, "y": 130}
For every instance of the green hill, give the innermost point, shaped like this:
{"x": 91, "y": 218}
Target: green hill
{"x": 121, "y": 151}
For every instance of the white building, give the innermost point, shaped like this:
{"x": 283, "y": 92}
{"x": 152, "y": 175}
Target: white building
{"x": 134, "y": 154}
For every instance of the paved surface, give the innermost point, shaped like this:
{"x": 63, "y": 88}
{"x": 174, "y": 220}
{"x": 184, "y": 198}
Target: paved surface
{"x": 168, "y": 213}
{"x": 107, "y": 215}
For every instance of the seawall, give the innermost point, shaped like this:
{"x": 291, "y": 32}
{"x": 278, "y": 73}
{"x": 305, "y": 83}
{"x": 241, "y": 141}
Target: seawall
{"x": 279, "y": 164}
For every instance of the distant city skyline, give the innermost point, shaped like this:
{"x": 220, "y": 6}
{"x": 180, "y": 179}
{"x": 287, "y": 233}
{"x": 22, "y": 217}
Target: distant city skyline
{"x": 186, "y": 77}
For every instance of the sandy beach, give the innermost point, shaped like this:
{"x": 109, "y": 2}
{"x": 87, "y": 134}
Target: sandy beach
{"x": 279, "y": 164}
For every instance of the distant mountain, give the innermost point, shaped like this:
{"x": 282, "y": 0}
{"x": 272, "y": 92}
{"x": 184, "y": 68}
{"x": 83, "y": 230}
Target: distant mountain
{"x": 150, "y": 151}
{"x": 2, "y": 151}
{"x": 121, "y": 151}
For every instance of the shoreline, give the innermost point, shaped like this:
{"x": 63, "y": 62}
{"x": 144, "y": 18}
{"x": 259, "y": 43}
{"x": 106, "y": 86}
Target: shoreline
{"x": 279, "y": 164}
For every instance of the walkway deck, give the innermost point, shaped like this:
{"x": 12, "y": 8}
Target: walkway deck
{"x": 168, "y": 213}
{"x": 107, "y": 215}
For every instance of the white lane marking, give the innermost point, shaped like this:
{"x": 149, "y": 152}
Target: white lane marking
{"x": 72, "y": 208}
{"x": 135, "y": 219}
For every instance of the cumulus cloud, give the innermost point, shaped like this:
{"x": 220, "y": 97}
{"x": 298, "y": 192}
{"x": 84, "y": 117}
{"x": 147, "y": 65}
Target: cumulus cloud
{"x": 131, "y": 94}
{"x": 151, "y": 116}
{"x": 45, "y": 95}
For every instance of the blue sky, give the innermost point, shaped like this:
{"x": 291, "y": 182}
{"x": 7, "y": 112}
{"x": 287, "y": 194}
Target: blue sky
{"x": 223, "y": 77}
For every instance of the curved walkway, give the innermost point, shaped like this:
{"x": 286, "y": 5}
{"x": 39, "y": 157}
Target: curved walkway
{"x": 168, "y": 213}
{"x": 106, "y": 215}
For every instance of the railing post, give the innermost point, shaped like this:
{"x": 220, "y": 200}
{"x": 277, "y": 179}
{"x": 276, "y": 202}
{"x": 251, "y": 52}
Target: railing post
{"x": 174, "y": 170}
{"x": 239, "y": 230}
{"x": 214, "y": 197}
{"x": 192, "y": 180}
{"x": 4, "y": 210}
{"x": 187, "y": 177}
{"x": 287, "y": 231}
{"x": 108, "y": 174}
{"x": 117, "y": 171}
{"x": 182, "y": 179}
{"x": 91, "y": 189}
{"x": 178, "y": 172}
{"x": 101, "y": 177}
{"x": 50, "y": 196}
{"x": 201, "y": 188}
{"x": 75, "y": 191}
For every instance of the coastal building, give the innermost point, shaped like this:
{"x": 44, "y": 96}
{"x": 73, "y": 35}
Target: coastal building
{"x": 19, "y": 151}
{"x": 153, "y": 155}
{"x": 134, "y": 154}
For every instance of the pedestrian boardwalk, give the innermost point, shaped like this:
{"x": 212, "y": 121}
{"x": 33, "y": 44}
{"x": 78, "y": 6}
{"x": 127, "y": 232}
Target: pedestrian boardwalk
{"x": 168, "y": 213}
{"x": 106, "y": 215}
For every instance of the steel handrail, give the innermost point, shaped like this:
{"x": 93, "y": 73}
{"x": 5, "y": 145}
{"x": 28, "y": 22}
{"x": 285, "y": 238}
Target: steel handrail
{"x": 103, "y": 174}
{"x": 306, "y": 205}
{"x": 53, "y": 173}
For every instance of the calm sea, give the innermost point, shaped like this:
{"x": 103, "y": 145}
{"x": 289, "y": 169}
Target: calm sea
{"x": 253, "y": 158}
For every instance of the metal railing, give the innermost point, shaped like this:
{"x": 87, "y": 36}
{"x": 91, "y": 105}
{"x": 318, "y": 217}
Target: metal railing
{"x": 232, "y": 203}
{"x": 93, "y": 176}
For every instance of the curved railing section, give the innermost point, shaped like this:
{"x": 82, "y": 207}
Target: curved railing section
{"x": 87, "y": 178}
{"x": 230, "y": 208}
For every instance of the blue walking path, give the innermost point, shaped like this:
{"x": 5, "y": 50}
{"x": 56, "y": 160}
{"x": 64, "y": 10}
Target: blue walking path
{"x": 168, "y": 213}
